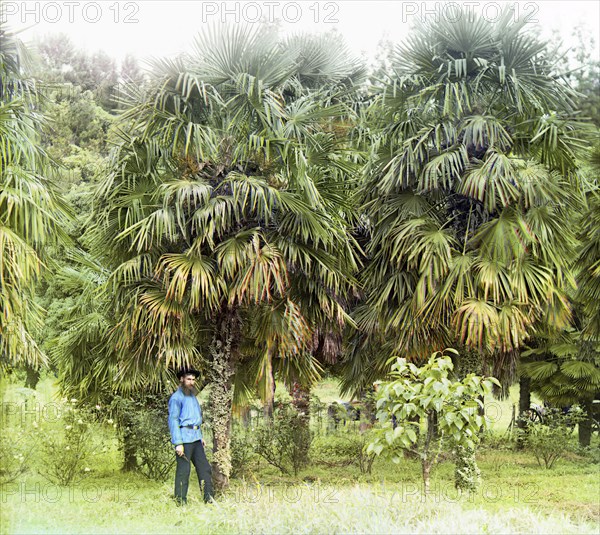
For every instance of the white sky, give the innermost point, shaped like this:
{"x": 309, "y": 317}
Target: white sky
{"x": 162, "y": 28}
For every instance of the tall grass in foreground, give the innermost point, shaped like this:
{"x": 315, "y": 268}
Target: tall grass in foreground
{"x": 302, "y": 509}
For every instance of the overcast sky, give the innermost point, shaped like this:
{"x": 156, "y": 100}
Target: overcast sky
{"x": 158, "y": 28}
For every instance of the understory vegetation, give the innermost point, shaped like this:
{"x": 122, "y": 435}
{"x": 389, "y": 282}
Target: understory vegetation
{"x": 385, "y": 275}
{"x": 340, "y": 489}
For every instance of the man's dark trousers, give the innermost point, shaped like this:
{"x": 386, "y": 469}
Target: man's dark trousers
{"x": 194, "y": 451}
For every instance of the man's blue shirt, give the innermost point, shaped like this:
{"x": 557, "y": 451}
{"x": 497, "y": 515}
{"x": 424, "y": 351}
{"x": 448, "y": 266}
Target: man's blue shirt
{"x": 184, "y": 410}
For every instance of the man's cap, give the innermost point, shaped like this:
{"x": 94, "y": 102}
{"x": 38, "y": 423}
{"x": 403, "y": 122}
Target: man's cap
{"x": 188, "y": 371}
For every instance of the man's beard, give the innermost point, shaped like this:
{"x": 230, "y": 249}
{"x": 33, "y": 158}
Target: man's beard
{"x": 192, "y": 391}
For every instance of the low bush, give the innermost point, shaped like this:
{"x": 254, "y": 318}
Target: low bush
{"x": 589, "y": 453}
{"x": 285, "y": 441}
{"x": 553, "y": 438}
{"x": 144, "y": 431}
{"x": 14, "y": 457}
{"x": 343, "y": 449}
{"x": 243, "y": 446}
{"x": 66, "y": 449}
{"x": 154, "y": 450}
{"x": 335, "y": 450}
{"x": 492, "y": 440}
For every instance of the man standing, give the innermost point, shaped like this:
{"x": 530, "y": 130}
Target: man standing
{"x": 185, "y": 418}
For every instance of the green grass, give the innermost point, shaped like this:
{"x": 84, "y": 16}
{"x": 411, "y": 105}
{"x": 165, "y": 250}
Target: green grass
{"x": 516, "y": 495}
{"x": 515, "y": 499}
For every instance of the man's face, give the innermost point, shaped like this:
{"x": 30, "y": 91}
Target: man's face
{"x": 187, "y": 381}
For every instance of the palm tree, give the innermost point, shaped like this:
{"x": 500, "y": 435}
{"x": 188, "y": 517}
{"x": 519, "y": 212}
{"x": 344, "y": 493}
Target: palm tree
{"x": 588, "y": 261}
{"x": 589, "y": 295}
{"x": 563, "y": 367}
{"x": 468, "y": 194}
{"x": 564, "y": 370}
{"x": 86, "y": 363}
{"x": 31, "y": 215}
{"x": 221, "y": 214}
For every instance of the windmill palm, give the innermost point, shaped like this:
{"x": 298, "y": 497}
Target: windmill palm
{"x": 220, "y": 212}
{"x": 588, "y": 261}
{"x": 468, "y": 193}
{"x": 87, "y": 364}
{"x": 589, "y": 295}
{"x": 563, "y": 366}
{"x": 564, "y": 369}
{"x": 31, "y": 215}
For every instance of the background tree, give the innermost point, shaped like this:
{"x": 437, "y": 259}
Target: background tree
{"x": 583, "y": 68}
{"x": 61, "y": 64}
{"x": 469, "y": 194}
{"x": 74, "y": 135}
{"x": 565, "y": 371}
{"x": 31, "y": 215}
{"x": 562, "y": 366}
{"x": 222, "y": 208}
{"x": 425, "y": 411}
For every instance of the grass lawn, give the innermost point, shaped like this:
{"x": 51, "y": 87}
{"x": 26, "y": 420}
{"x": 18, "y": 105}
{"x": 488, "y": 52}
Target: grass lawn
{"x": 516, "y": 496}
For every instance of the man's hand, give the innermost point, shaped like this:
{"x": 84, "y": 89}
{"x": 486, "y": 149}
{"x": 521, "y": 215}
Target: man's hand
{"x": 179, "y": 450}
{"x": 203, "y": 443}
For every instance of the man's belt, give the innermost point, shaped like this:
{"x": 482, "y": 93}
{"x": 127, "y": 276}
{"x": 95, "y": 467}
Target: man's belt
{"x": 190, "y": 426}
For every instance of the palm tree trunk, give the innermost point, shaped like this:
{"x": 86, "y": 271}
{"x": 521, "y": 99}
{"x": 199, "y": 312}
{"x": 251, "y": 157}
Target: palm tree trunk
{"x": 128, "y": 442}
{"x": 129, "y": 458}
{"x": 369, "y": 406}
{"x": 245, "y": 417}
{"x": 301, "y": 402}
{"x": 33, "y": 376}
{"x": 269, "y": 386}
{"x": 524, "y": 396}
{"x": 585, "y": 425}
{"x": 223, "y": 352}
{"x": 524, "y": 406}
{"x": 301, "y": 399}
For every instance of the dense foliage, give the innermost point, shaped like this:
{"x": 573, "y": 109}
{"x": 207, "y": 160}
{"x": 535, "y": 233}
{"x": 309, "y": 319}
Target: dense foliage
{"x": 424, "y": 411}
{"x": 31, "y": 214}
{"x": 261, "y": 209}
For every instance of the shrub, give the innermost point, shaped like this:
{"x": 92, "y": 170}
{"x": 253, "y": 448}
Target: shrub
{"x": 339, "y": 450}
{"x": 335, "y": 450}
{"x": 495, "y": 441}
{"x": 589, "y": 453}
{"x": 242, "y": 451}
{"x": 551, "y": 439}
{"x": 285, "y": 441}
{"x": 145, "y": 432}
{"x": 14, "y": 458}
{"x": 154, "y": 450}
{"x": 65, "y": 450}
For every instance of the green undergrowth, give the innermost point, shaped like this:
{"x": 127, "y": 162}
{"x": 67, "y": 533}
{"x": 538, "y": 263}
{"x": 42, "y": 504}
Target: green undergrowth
{"x": 516, "y": 496}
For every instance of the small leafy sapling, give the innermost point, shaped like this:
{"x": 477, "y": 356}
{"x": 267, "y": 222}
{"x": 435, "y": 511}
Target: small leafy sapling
{"x": 423, "y": 411}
